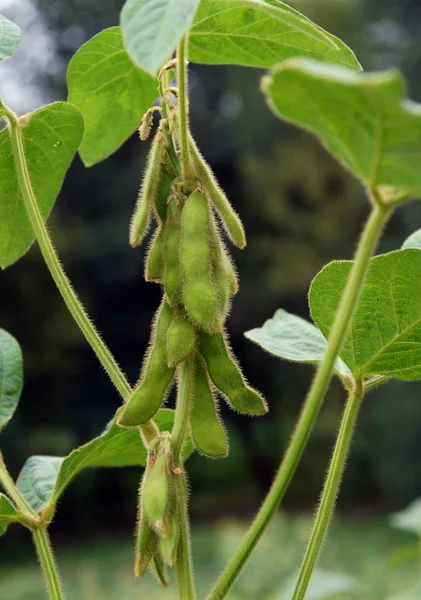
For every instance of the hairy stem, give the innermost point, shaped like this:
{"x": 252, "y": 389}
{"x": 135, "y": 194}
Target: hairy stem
{"x": 15, "y": 495}
{"x": 184, "y": 565}
{"x": 48, "y": 563}
{"x": 330, "y": 491}
{"x": 183, "y": 114}
{"x": 313, "y": 402}
{"x": 58, "y": 274}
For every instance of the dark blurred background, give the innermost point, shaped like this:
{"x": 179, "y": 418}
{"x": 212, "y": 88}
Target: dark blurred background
{"x": 300, "y": 210}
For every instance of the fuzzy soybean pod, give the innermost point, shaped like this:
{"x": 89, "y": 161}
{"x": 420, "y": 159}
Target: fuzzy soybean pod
{"x": 199, "y": 294}
{"x": 207, "y": 431}
{"x": 163, "y": 193}
{"x": 156, "y": 378}
{"x": 227, "y": 376}
{"x": 154, "y": 262}
{"x": 168, "y": 544}
{"x": 146, "y": 545}
{"x": 213, "y": 190}
{"x": 172, "y": 274}
{"x": 224, "y": 275}
{"x": 141, "y": 219}
{"x": 156, "y": 490}
{"x": 181, "y": 339}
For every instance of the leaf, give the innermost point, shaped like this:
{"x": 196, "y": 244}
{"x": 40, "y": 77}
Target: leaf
{"x": 362, "y": 118}
{"x": 8, "y": 514}
{"x": 260, "y": 33}
{"x": 413, "y": 241}
{"x": 385, "y": 334}
{"x": 11, "y": 376}
{"x": 111, "y": 93}
{"x": 51, "y": 138}
{"x": 292, "y": 338}
{"x": 153, "y": 28}
{"x": 9, "y": 38}
{"x": 44, "y": 478}
{"x": 408, "y": 519}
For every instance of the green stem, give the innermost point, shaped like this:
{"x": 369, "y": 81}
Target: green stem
{"x": 15, "y": 495}
{"x": 48, "y": 563}
{"x": 182, "y": 411}
{"x": 184, "y": 566}
{"x": 183, "y": 114}
{"x": 60, "y": 278}
{"x": 330, "y": 491}
{"x": 313, "y": 402}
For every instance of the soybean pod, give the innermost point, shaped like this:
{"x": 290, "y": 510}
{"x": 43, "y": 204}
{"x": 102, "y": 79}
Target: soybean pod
{"x": 162, "y": 195}
{"x": 207, "y": 431}
{"x": 199, "y": 294}
{"x": 155, "y": 487}
{"x": 146, "y": 545}
{"x": 224, "y": 275}
{"x": 213, "y": 190}
{"x": 154, "y": 262}
{"x": 181, "y": 339}
{"x": 156, "y": 377}
{"x": 227, "y": 376}
{"x": 172, "y": 274}
{"x": 141, "y": 219}
{"x": 159, "y": 570}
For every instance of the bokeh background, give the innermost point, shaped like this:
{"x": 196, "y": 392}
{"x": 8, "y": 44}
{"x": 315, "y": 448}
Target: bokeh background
{"x": 300, "y": 210}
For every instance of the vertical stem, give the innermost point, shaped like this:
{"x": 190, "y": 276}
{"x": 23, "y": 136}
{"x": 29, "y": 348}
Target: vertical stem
{"x": 48, "y": 563}
{"x": 183, "y": 114}
{"x": 52, "y": 261}
{"x": 186, "y": 587}
{"x": 313, "y": 402}
{"x": 330, "y": 491}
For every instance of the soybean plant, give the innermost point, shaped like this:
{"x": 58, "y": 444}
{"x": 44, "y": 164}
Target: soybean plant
{"x": 366, "y": 312}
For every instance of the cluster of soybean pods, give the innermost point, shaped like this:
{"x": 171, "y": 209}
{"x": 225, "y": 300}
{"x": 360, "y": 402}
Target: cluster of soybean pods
{"x": 188, "y": 258}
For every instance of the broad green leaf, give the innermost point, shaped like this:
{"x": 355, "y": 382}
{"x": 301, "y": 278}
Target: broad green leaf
{"x": 408, "y": 519}
{"x": 8, "y": 514}
{"x": 413, "y": 241}
{"x": 11, "y": 376}
{"x": 260, "y": 33}
{"x": 111, "y": 93}
{"x": 9, "y": 38}
{"x": 385, "y": 334}
{"x": 153, "y": 28}
{"x": 51, "y": 138}
{"x": 292, "y": 338}
{"x": 44, "y": 478}
{"x": 362, "y": 118}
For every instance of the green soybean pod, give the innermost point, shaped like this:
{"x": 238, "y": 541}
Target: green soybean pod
{"x": 154, "y": 262}
{"x": 146, "y": 545}
{"x": 224, "y": 275}
{"x": 141, "y": 219}
{"x": 227, "y": 376}
{"x": 207, "y": 431}
{"x": 172, "y": 274}
{"x": 213, "y": 190}
{"x": 199, "y": 294}
{"x": 181, "y": 339}
{"x": 159, "y": 570}
{"x": 155, "y": 491}
{"x": 163, "y": 193}
{"x": 156, "y": 377}
{"x": 168, "y": 545}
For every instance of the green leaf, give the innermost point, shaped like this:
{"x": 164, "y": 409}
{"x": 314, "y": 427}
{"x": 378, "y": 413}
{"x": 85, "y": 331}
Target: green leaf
{"x": 260, "y": 33}
{"x": 362, "y": 118}
{"x": 51, "y": 138}
{"x": 8, "y": 514}
{"x": 11, "y": 376}
{"x": 292, "y": 338}
{"x": 385, "y": 334}
{"x": 153, "y": 28}
{"x": 9, "y": 38}
{"x": 111, "y": 93}
{"x": 413, "y": 241}
{"x": 408, "y": 519}
{"x": 44, "y": 478}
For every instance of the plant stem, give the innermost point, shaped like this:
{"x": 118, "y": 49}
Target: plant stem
{"x": 330, "y": 491}
{"x": 48, "y": 563}
{"x": 182, "y": 411}
{"x": 183, "y": 114}
{"x": 313, "y": 402}
{"x": 186, "y": 587}
{"x": 15, "y": 495}
{"x": 58, "y": 274}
